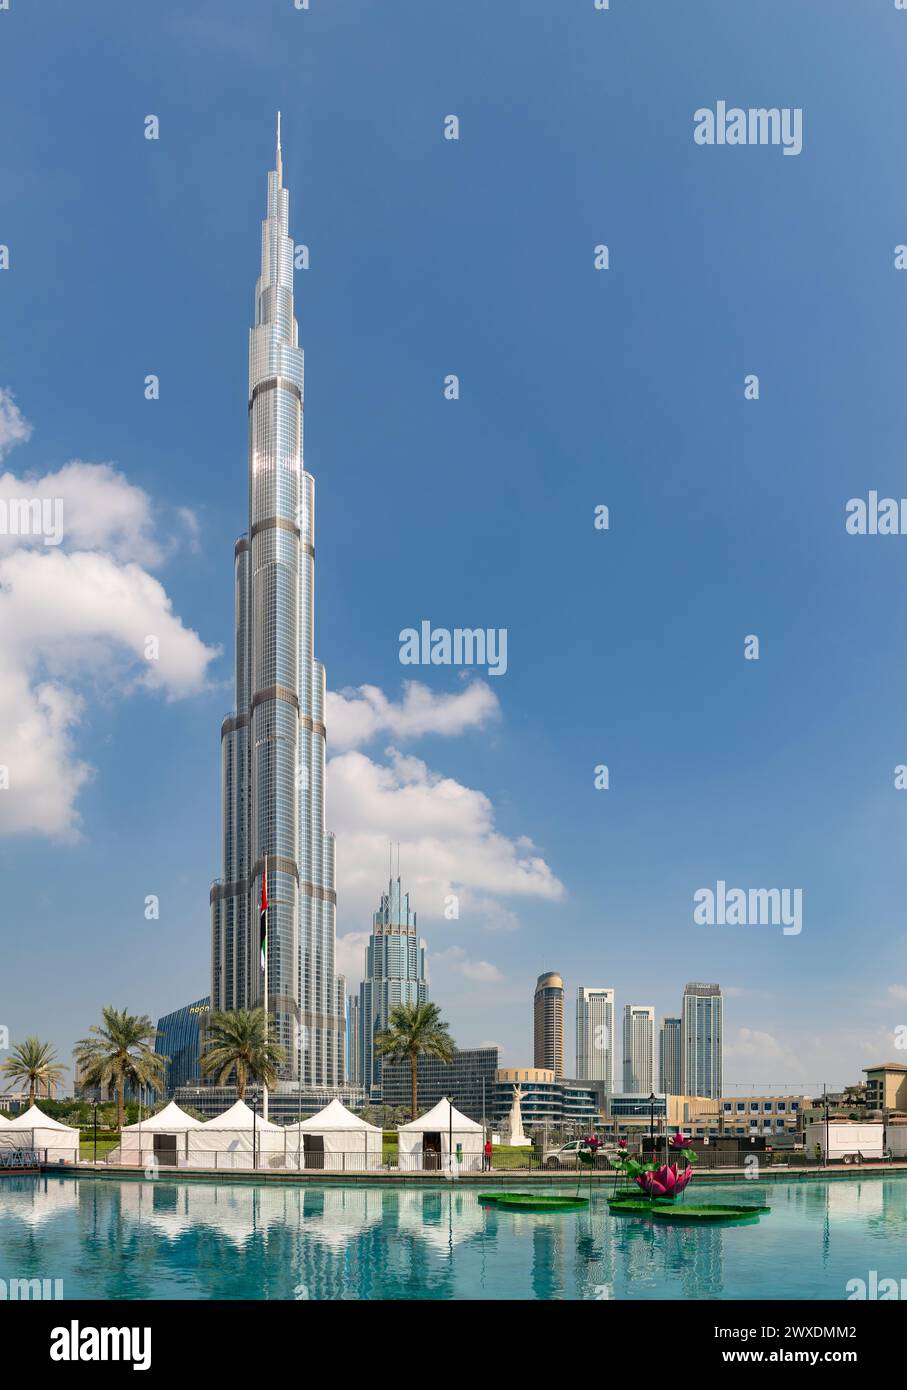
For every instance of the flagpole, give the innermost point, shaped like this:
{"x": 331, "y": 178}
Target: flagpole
{"x": 264, "y": 1110}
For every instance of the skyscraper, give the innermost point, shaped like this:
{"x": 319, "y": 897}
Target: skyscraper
{"x": 701, "y": 1040}
{"x": 273, "y": 743}
{"x": 639, "y": 1048}
{"x": 548, "y": 1011}
{"x": 670, "y": 1052}
{"x": 353, "y": 1040}
{"x": 394, "y": 974}
{"x": 595, "y": 1035}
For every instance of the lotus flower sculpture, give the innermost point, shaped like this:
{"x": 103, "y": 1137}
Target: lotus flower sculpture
{"x": 667, "y": 1181}
{"x": 589, "y": 1149}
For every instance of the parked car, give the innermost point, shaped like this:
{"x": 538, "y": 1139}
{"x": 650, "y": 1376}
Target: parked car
{"x": 567, "y": 1156}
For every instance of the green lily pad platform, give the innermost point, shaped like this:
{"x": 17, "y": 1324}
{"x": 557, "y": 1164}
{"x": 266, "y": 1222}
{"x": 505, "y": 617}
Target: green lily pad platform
{"x": 688, "y": 1211}
{"x": 532, "y": 1201}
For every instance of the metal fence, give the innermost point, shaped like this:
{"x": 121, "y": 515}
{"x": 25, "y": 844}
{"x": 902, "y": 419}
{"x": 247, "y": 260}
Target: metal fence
{"x": 21, "y": 1158}
{"x": 390, "y": 1160}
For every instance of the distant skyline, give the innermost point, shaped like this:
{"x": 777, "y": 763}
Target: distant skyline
{"x": 129, "y": 260}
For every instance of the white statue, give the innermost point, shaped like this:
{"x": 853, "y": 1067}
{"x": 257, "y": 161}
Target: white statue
{"x": 513, "y": 1125}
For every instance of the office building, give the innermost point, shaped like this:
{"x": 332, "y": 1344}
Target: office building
{"x": 639, "y": 1048}
{"x": 468, "y": 1081}
{"x": 179, "y": 1037}
{"x": 701, "y": 1041}
{"x": 394, "y": 974}
{"x": 546, "y": 1100}
{"x": 549, "y": 1023}
{"x": 353, "y": 1040}
{"x": 595, "y": 1035}
{"x": 670, "y": 1056}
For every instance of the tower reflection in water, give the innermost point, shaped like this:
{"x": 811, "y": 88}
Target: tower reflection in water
{"x": 174, "y": 1238}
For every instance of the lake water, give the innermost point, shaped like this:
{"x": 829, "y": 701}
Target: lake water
{"x": 109, "y": 1238}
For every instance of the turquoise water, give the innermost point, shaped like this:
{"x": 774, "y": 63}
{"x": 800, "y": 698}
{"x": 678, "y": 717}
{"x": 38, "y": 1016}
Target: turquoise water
{"x": 172, "y": 1239}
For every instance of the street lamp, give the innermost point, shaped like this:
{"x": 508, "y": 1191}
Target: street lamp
{"x": 95, "y": 1132}
{"x": 825, "y": 1094}
{"x": 652, "y": 1119}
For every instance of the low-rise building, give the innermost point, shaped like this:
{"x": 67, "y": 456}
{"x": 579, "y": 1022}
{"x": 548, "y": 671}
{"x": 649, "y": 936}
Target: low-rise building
{"x": 886, "y": 1087}
{"x": 468, "y": 1081}
{"x": 548, "y": 1100}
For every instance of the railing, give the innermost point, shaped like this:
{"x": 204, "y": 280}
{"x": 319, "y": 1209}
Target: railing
{"x": 503, "y": 1161}
{"x": 20, "y": 1158}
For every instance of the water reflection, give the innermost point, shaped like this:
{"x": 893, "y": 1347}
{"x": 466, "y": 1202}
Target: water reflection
{"x": 176, "y": 1239}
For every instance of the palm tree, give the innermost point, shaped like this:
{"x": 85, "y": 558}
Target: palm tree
{"x": 238, "y": 1042}
{"x": 121, "y": 1051}
{"x": 414, "y": 1031}
{"x": 34, "y": 1061}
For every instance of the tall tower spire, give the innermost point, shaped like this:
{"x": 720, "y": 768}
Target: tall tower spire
{"x": 273, "y": 744}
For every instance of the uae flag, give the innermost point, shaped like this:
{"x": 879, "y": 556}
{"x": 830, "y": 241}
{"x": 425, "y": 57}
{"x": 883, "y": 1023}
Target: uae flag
{"x": 263, "y": 918}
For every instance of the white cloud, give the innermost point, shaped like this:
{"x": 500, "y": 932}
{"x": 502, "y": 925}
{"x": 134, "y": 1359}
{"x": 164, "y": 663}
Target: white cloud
{"x": 100, "y": 510}
{"x": 449, "y": 843}
{"x": 73, "y": 618}
{"x": 354, "y": 717}
{"x": 349, "y": 957}
{"x": 480, "y": 971}
{"x": 897, "y": 992}
{"x": 14, "y": 428}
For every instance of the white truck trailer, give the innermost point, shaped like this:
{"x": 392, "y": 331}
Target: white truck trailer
{"x": 849, "y": 1141}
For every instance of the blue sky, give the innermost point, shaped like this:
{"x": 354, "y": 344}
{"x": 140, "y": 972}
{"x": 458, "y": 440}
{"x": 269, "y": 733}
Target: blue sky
{"x": 578, "y": 387}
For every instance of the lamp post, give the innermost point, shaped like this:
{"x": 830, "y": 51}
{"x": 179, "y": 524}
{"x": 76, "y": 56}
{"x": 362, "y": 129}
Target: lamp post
{"x": 652, "y": 1120}
{"x": 254, "y": 1125}
{"x": 825, "y": 1095}
{"x": 95, "y": 1132}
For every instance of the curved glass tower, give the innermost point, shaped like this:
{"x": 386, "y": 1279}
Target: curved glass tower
{"x": 273, "y": 742}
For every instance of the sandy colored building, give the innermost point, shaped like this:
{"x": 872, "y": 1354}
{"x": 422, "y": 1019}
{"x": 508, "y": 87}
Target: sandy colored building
{"x": 886, "y": 1087}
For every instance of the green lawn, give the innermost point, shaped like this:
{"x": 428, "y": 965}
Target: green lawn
{"x": 106, "y": 1142}
{"x": 503, "y": 1156}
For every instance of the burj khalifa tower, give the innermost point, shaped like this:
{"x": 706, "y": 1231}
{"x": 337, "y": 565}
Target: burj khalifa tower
{"x": 273, "y": 742}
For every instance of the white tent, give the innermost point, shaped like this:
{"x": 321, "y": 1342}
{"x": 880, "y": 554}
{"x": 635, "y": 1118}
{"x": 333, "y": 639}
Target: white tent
{"x": 35, "y": 1130}
{"x": 443, "y": 1140}
{"x": 162, "y": 1138}
{"x": 335, "y": 1140}
{"x": 226, "y": 1141}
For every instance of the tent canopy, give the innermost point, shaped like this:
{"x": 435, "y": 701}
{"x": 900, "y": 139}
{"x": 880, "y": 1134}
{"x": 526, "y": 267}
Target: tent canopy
{"x": 334, "y": 1118}
{"x": 456, "y": 1134}
{"x": 335, "y": 1138}
{"x": 239, "y": 1116}
{"x": 35, "y": 1130}
{"x": 442, "y": 1116}
{"x": 171, "y": 1120}
{"x": 33, "y": 1118}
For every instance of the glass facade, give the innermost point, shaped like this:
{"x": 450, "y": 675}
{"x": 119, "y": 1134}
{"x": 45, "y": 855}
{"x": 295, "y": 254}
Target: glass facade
{"x": 179, "y": 1038}
{"x": 701, "y": 1040}
{"x": 670, "y": 1056}
{"x": 273, "y": 742}
{"x": 468, "y": 1080}
{"x": 595, "y": 1035}
{"x": 548, "y": 1020}
{"x": 394, "y": 974}
{"x": 639, "y": 1047}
